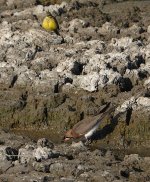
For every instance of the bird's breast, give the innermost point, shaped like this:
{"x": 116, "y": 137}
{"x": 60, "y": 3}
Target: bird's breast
{"x": 90, "y": 132}
{"x": 49, "y": 24}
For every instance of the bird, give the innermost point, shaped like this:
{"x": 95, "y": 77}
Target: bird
{"x": 50, "y": 23}
{"x": 85, "y": 128}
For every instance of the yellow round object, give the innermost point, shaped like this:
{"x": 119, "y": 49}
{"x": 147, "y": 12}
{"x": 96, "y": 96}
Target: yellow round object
{"x": 50, "y": 24}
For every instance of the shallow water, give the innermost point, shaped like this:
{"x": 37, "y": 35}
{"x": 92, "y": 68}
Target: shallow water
{"x": 143, "y": 152}
{"x": 57, "y": 139}
{"x": 37, "y": 134}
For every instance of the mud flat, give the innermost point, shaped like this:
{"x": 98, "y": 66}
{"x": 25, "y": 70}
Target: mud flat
{"x": 22, "y": 159}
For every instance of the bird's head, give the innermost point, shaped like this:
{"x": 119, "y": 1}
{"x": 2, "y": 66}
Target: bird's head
{"x": 68, "y": 135}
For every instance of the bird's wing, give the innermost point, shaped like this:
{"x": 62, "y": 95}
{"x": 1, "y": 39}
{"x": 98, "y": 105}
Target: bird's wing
{"x": 103, "y": 108}
{"x": 87, "y": 124}
{"x": 57, "y": 24}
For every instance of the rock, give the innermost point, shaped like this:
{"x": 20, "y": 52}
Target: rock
{"x": 38, "y": 10}
{"x": 147, "y": 83}
{"x": 127, "y": 104}
{"x": 8, "y": 153}
{"x": 75, "y": 25}
{"x": 48, "y": 178}
{"x": 124, "y": 84}
{"x": 43, "y": 142}
{"x": 63, "y": 168}
{"x": 41, "y": 167}
{"x": 125, "y": 173}
{"x": 25, "y": 77}
{"x": 87, "y": 82}
{"x": 25, "y": 155}
{"x": 135, "y": 103}
{"x": 43, "y": 153}
{"x": 57, "y": 169}
{"x": 81, "y": 169}
{"x": 122, "y": 43}
{"x": 108, "y": 28}
{"x": 143, "y": 102}
{"x": 68, "y": 87}
{"x": 135, "y": 29}
{"x": 57, "y": 9}
{"x": 132, "y": 158}
{"x": 148, "y": 29}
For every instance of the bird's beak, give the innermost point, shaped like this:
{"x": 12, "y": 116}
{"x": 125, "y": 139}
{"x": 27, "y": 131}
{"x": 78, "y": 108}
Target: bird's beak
{"x": 65, "y": 139}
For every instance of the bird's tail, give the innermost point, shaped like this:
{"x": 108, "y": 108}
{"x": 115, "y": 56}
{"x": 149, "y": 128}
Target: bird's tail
{"x": 57, "y": 32}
